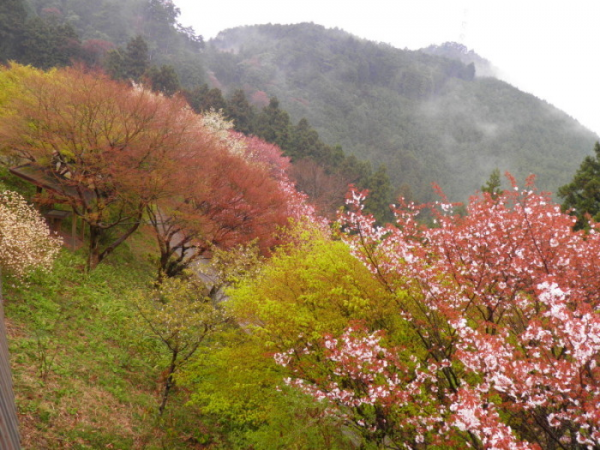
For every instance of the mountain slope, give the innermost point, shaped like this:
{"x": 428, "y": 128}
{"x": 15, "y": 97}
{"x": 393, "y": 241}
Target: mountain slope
{"x": 425, "y": 117}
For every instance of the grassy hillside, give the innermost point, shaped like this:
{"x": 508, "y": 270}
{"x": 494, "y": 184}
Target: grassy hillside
{"x": 85, "y": 376}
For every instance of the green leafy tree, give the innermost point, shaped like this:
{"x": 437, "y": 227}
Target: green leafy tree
{"x": 311, "y": 287}
{"x": 582, "y": 195}
{"x": 306, "y": 289}
{"x": 181, "y": 316}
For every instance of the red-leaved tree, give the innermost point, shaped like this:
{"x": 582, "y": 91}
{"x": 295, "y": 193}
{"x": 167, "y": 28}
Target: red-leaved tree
{"x": 235, "y": 190}
{"x": 106, "y": 149}
{"x": 503, "y": 352}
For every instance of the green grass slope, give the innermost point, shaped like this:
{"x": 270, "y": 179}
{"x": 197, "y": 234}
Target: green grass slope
{"x": 84, "y": 376}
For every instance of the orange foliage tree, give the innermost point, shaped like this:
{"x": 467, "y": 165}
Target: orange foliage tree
{"x": 110, "y": 149}
{"x": 233, "y": 195}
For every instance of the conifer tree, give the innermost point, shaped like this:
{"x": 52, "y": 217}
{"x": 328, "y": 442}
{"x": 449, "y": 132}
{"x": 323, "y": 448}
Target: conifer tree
{"x": 163, "y": 79}
{"x": 492, "y": 185}
{"x": 273, "y": 125}
{"x": 582, "y": 195}
{"x": 378, "y": 203}
{"x": 136, "y": 58}
{"x": 241, "y": 112}
{"x": 305, "y": 142}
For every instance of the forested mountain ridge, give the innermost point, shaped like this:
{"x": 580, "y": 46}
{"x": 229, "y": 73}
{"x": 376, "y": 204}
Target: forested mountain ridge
{"x": 142, "y": 41}
{"x": 456, "y": 51}
{"x": 424, "y": 117}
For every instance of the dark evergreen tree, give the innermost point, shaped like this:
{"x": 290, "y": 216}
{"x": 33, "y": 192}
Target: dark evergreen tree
{"x": 273, "y": 125}
{"x": 47, "y": 43}
{"x": 380, "y": 192}
{"x": 492, "y": 186}
{"x": 12, "y": 24}
{"x": 356, "y": 171}
{"x": 335, "y": 155}
{"x": 582, "y": 195}
{"x": 129, "y": 63}
{"x": 195, "y": 97}
{"x": 241, "y": 112}
{"x": 159, "y": 24}
{"x": 203, "y": 99}
{"x": 136, "y": 58}
{"x": 305, "y": 143}
{"x": 214, "y": 100}
{"x": 163, "y": 79}
{"x": 114, "y": 63}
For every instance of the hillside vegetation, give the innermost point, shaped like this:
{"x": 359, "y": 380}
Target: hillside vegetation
{"x": 434, "y": 115}
{"x": 205, "y": 302}
{"x": 426, "y": 118}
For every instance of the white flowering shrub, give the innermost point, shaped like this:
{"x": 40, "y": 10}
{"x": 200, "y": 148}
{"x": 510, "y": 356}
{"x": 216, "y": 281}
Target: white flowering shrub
{"x": 25, "y": 239}
{"x": 222, "y": 130}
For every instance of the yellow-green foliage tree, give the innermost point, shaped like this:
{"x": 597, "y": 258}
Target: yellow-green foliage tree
{"x": 180, "y": 315}
{"x": 310, "y": 287}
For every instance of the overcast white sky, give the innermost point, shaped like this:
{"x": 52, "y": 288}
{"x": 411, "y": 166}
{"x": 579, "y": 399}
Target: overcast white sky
{"x": 550, "y": 48}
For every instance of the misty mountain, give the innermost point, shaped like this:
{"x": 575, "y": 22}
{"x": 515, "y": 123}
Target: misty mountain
{"x": 456, "y": 51}
{"x": 427, "y": 116}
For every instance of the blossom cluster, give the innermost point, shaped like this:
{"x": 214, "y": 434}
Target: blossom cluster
{"x": 25, "y": 239}
{"x": 503, "y": 304}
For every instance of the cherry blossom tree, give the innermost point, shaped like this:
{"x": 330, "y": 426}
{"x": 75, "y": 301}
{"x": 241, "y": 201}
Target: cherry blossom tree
{"x": 25, "y": 239}
{"x": 25, "y": 244}
{"x": 502, "y": 311}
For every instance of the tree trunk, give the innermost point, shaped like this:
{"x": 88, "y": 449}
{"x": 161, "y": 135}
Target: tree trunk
{"x": 93, "y": 258}
{"x": 169, "y": 383}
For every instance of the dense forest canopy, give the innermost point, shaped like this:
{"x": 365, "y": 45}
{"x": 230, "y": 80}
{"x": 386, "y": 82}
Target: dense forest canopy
{"x": 427, "y": 118}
